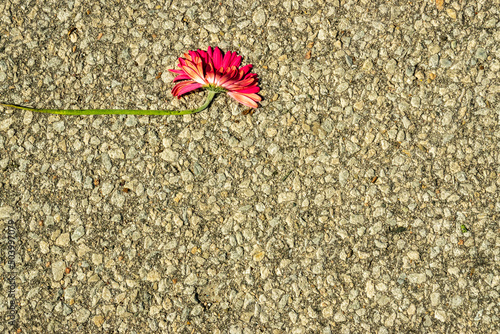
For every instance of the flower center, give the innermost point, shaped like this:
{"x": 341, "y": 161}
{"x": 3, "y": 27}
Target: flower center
{"x": 214, "y": 88}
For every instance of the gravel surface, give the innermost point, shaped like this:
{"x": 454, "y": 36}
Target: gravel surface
{"x": 361, "y": 197}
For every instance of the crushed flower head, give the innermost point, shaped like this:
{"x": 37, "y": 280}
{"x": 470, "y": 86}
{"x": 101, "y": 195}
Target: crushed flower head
{"x": 215, "y": 71}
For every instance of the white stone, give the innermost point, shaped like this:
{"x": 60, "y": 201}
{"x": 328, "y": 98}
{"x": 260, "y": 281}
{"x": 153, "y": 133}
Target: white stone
{"x": 169, "y": 155}
{"x": 440, "y": 315}
{"x": 58, "y": 268}
{"x": 417, "y": 278}
{"x": 259, "y": 17}
{"x": 413, "y": 255}
{"x": 339, "y": 317}
{"x": 370, "y": 289}
{"x": 286, "y": 197}
{"x": 5, "y": 212}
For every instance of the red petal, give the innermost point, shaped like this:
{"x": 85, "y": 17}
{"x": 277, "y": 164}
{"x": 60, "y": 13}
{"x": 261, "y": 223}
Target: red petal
{"x": 194, "y": 56}
{"x": 236, "y": 61}
{"x": 177, "y": 71}
{"x": 217, "y": 58}
{"x": 184, "y": 87}
{"x": 228, "y": 78}
{"x": 195, "y": 71}
{"x": 245, "y": 69}
{"x": 209, "y": 73}
{"x": 248, "y": 90}
{"x": 203, "y": 55}
{"x": 242, "y": 84}
{"x": 248, "y": 100}
{"x": 181, "y": 77}
{"x": 228, "y": 59}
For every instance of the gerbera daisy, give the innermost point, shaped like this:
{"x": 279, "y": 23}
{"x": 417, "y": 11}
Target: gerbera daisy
{"x": 209, "y": 69}
{"x": 217, "y": 72}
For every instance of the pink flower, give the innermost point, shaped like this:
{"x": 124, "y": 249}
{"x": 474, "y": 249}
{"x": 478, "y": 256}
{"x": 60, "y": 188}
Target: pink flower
{"x": 217, "y": 72}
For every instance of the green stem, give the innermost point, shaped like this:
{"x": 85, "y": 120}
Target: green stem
{"x": 210, "y": 97}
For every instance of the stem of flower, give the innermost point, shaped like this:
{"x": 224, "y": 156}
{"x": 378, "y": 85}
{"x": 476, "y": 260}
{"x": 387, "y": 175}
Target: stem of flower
{"x": 209, "y": 99}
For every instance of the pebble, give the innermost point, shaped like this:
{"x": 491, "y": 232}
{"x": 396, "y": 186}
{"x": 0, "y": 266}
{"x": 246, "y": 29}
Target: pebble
{"x": 131, "y": 121}
{"x": 106, "y": 161}
{"x": 6, "y": 212}
{"x": 87, "y": 79}
{"x": 451, "y": 13}
{"x": 410, "y": 70}
{"x": 63, "y": 240}
{"x": 343, "y": 177}
{"x": 44, "y": 247}
{"x": 434, "y": 61}
{"x": 67, "y": 310}
{"x": 413, "y": 255}
{"x": 445, "y": 63}
{"x": 435, "y": 299}
{"x": 141, "y": 60}
{"x": 259, "y": 256}
{"x": 370, "y": 289}
{"x": 259, "y": 17}
{"x": 77, "y": 176}
{"x": 82, "y": 315}
{"x": 481, "y": 54}
{"x": 441, "y": 315}
{"x": 118, "y": 199}
{"x": 78, "y": 233}
{"x": 286, "y": 197}
{"x": 58, "y": 126}
{"x": 273, "y": 149}
{"x": 415, "y": 101}
{"x": 348, "y": 60}
{"x": 154, "y": 276}
{"x": 58, "y": 269}
{"x": 169, "y": 155}
{"x": 191, "y": 279}
{"x": 351, "y": 147}
{"x": 390, "y": 66}
{"x": 107, "y": 188}
{"x": 342, "y": 87}
{"x": 339, "y": 317}
{"x": 456, "y": 301}
{"x": 212, "y": 28}
{"x": 96, "y": 259}
{"x": 98, "y": 320}
{"x": 417, "y": 278}
{"x": 367, "y": 65}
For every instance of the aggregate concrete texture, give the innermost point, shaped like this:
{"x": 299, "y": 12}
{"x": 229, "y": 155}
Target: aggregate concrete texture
{"x": 362, "y": 196}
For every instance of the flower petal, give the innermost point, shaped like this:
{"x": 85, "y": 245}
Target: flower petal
{"x": 241, "y": 84}
{"x": 236, "y": 61}
{"x": 181, "y": 77}
{"x": 245, "y": 69}
{"x": 211, "y": 76}
{"x": 247, "y": 100}
{"x": 195, "y": 71}
{"x": 217, "y": 58}
{"x": 203, "y": 55}
{"x": 194, "y": 56}
{"x": 229, "y": 59}
{"x": 177, "y": 71}
{"x": 248, "y": 90}
{"x": 184, "y": 87}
